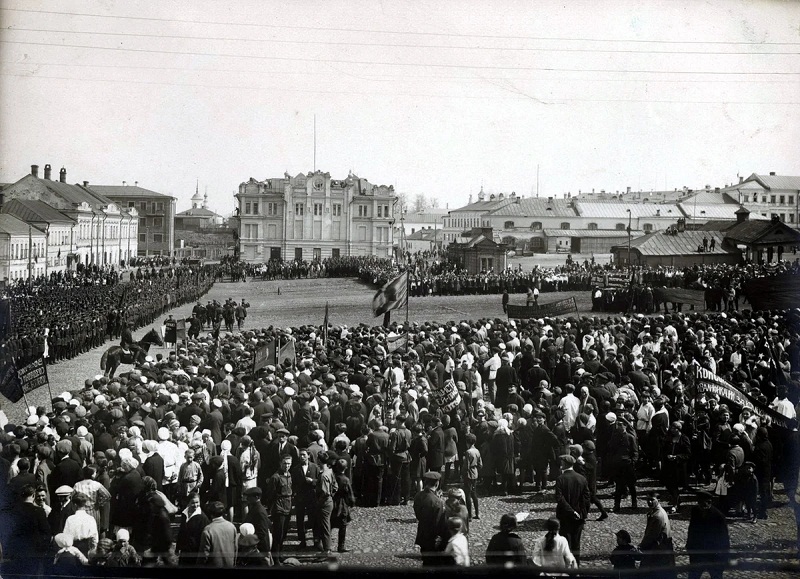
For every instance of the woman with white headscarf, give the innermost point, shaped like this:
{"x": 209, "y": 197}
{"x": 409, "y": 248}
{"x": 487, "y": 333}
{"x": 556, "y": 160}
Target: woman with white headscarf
{"x": 502, "y": 448}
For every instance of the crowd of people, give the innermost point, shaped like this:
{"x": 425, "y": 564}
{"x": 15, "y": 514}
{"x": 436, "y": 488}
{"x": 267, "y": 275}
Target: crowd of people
{"x": 251, "y": 465}
{"x": 68, "y": 313}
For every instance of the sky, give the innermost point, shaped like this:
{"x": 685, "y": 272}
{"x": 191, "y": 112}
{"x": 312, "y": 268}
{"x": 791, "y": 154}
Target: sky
{"x": 434, "y": 97}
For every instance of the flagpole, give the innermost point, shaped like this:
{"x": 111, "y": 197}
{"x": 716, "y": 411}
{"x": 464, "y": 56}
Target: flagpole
{"x": 408, "y": 299}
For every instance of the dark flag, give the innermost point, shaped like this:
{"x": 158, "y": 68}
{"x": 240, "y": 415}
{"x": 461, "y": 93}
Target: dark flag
{"x": 180, "y": 329}
{"x": 10, "y": 384}
{"x": 391, "y": 296}
{"x": 264, "y": 356}
{"x": 287, "y": 353}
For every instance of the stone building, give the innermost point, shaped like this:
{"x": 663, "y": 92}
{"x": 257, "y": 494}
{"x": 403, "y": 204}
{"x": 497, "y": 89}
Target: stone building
{"x": 311, "y": 216}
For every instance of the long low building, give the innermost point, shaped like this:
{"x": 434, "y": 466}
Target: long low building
{"x": 678, "y": 249}
{"x": 585, "y": 240}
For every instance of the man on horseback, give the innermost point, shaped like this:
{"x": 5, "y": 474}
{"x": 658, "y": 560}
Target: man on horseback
{"x": 127, "y": 342}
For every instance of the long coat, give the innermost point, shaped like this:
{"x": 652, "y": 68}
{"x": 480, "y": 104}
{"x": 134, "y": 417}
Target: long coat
{"x": 429, "y": 510}
{"x": 435, "y": 456}
{"x": 502, "y": 447}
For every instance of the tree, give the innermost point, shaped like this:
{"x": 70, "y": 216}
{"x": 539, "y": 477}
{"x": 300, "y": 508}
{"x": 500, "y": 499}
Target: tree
{"x": 420, "y": 202}
{"x": 433, "y": 203}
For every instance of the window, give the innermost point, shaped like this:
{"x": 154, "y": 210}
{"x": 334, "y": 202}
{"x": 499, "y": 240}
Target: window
{"x": 142, "y": 238}
{"x": 247, "y": 208}
{"x": 782, "y": 199}
{"x": 386, "y": 211}
{"x": 337, "y": 209}
{"x": 131, "y": 204}
{"x": 298, "y": 253}
{"x": 317, "y": 209}
{"x": 363, "y": 211}
{"x": 508, "y": 225}
{"x": 158, "y": 222}
{"x": 143, "y": 206}
{"x": 772, "y": 198}
{"x": 791, "y": 217}
{"x": 159, "y": 206}
{"x": 487, "y": 263}
{"x": 783, "y": 217}
{"x": 647, "y": 227}
{"x": 255, "y": 207}
{"x": 317, "y": 253}
{"x": 593, "y": 227}
{"x": 299, "y": 209}
{"x": 745, "y": 198}
{"x": 142, "y": 222}
{"x": 272, "y": 208}
{"x": 335, "y": 252}
{"x": 272, "y": 231}
{"x": 620, "y": 227}
{"x": 763, "y": 198}
{"x": 158, "y": 238}
{"x": 565, "y": 225}
{"x": 536, "y": 242}
{"x": 362, "y": 233}
{"x": 380, "y": 211}
{"x": 791, "y": 199}
{"x": 536, "y": 226}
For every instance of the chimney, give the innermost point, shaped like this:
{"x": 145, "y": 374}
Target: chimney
{"x": 47, "y": 171}
{"x": 742, "y": 215}
{"x": 135, "y": 183}
{"x": 716, "y": 189}
{"x": 35, "y": 170}
{"x": 741, "y": 179}
{"x": 627, "y": 189}
{"x": 124, "y": 183}
{"x": 85, "y": 183}
{"x": 501, "y": 196}
{"x": 772, "y": 173}
{"x": 658, "y": 212}
{"x": 62, "y": 175}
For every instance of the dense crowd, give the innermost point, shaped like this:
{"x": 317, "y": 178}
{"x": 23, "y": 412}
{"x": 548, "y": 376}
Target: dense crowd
{"x": 68, "y": 313}
{"x": 196, "y": 438}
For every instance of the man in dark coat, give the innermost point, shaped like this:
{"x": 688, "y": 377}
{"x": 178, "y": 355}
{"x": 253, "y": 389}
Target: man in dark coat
{"x": 305, "y": 476}
{"x": 572, "y": 503}
{"x": 271, "y": 459}
{"x": 376, "y": 460}
{"x": 429, "y": 511}
{"x": 258, "y": 517}
{"x": 66, "y": 472}
{"x": 25, "y": 535}
{"x": 192, "y": 524}
{"x": 708, "y": 532}
{"x": 506, "y": 547}
{"x": 435, "y": 458}
{"x": 535, "y": 375}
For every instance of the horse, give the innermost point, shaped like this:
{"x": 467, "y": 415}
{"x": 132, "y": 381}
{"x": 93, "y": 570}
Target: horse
{"x": 116, "y": 355}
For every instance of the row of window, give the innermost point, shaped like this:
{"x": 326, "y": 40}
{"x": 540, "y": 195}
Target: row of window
{"x": 156, "y": 238}
{"x": 781, "y": 216}
{"x": 141, "y": 206}
{"x": 463, "y": 222}
{"x": 537, "y": 226}
{"x": 781, "y": 199}
{"x": 154, "y": 222}
{"x": 317, "y": 209}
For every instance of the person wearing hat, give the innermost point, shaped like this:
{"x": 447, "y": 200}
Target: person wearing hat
{"x": 658, "y": 553}
{"x": 675, "y": 453}
{"x": 193, "y": 521}
{"x": 506, "y": 547}
{"x": 278, "y": 495}
{"x": 271, "y": 459}
{"x": 256, "y": 515}
{"x": 572, "y": 503}
{"x": 429, "y": 510}
{"x": 708, "y": 540}
{"x": 625, "y": 554}
{"x": 621, "y": 456}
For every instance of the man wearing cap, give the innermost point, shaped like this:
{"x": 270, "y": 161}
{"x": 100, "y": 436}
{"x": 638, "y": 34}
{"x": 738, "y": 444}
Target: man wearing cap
{"x": 271, "y": 459}
{"x": 506, "y": 548}
{"x": 622, "y": 454}
{"x": 429, "y": 511}
{"x": 572, "y": 503}
{"x": 278, "y": 496}
{"x": 305, "y": 477}
{"x": 708, "y": 540}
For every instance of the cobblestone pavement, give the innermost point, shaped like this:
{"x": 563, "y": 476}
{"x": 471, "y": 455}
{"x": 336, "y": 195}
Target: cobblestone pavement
{"x": 384, "y": 536}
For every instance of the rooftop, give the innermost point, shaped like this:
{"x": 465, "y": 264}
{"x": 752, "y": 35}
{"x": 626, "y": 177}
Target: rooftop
{"x": 602, "y": 233}
{"x": 777, "y": 181}
{"x": 15, "y": 226}
{"x": 683, "y": 243}
{"x": 620, "y": 210}
{"x": 198, "y": 212}
{"x": 536, "y": 207}
{"x": 34, "y": 211}
{"x": 112, "y": 191}
{"x": 713, "y": 211}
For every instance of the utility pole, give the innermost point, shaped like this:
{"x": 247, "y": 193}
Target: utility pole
{"x": 629, "y": 237}
{"x": 30, "y": 256}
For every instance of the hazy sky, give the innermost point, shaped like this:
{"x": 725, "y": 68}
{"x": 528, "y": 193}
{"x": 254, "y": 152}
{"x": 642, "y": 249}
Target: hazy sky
{"x": 433, "y": 97}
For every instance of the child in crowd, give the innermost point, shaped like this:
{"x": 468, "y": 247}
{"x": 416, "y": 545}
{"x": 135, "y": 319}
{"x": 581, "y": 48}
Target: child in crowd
{"x": 625, "y": 555}
{"x": 457, "y": 545}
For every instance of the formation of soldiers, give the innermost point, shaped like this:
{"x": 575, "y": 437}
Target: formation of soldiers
{"x": 67, "y": 315}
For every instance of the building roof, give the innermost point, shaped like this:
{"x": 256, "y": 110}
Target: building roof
{"x": 620, "y": 210}
{"x": 427, "y": 216}
{"x": 708, "y": 198}
{"x": 15, "y": 226}
{"x": 76, "y": 194}
{"x": 485, "y": 205}
{"x": 713, "y": 211}
{"x": 683, "y": 243}
{"x": 777, "y": 181}
{"x": 536, "y": 207}
{"x": 424, "y": 235}
{"x": 752, "y": 231}
{"x": 35, "y": 211}
{"x": 126, "y": 191}
{"x": 600, "y": 233}
{"x": 198, "y": 212}
{"x": 716, "y": 225}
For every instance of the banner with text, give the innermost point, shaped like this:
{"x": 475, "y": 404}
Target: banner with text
{"x": 264, "y": 356}
{"x": 33, "y": 376}
{"x": 558, "y": 308}
{"x": 10, "y": 385}
{"x": 705, "y": 381}
{"x": 394, "y": 343}
{"x": 611, "y": 280}
{"x": 447, "y": 397}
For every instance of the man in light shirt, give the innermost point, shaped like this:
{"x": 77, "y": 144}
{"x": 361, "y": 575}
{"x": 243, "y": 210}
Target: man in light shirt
{"x": 82, "y": 526}
{"x": 571, "y": 406}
